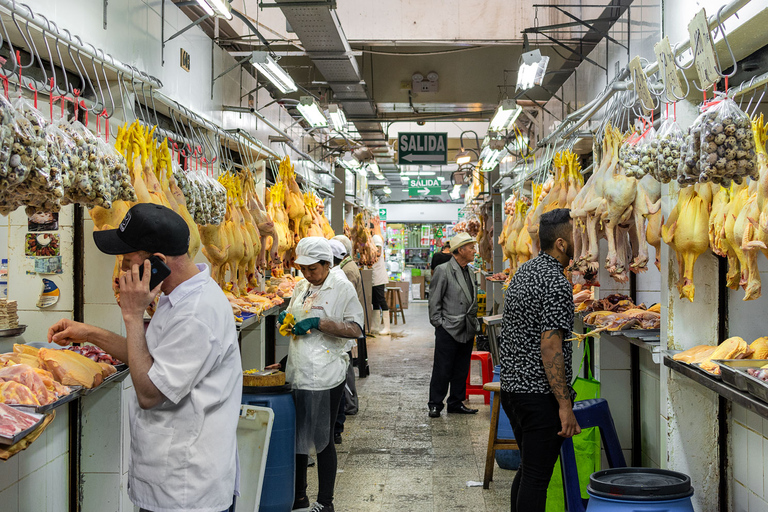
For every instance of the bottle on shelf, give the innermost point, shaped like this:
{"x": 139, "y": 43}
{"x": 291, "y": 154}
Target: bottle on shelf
{"x": 4, "y": 279}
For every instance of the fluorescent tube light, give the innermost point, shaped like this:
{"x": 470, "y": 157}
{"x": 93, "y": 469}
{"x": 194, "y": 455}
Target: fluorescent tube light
{"x": 267, "y": 66}
{"x": 492, "y": 159}
{"x": 456, "y": 192}
{"x": 506, "y": 114}
{"x": 338, "y": 119}
{"x": 219, "y": 8}
{"x": 532, "y": 70}
{"x": 417, "y": 173}
{"x": 311, "y": 112}
{"x": 387, "y": 190}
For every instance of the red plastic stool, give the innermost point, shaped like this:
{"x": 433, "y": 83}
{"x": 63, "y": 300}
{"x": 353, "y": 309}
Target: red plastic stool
{"x": 487, "y": 374}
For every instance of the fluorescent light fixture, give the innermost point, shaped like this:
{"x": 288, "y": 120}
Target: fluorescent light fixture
{"x": 267, "y": 66}
{"x": 532, "y": 70}
{"x": 222, "y": 7}
{"x": 456, "y": 192}
{"x": 418, "y": 173}
{"x": 463, "y": 157}
{"x": 505, "y": 116}
{"x": 491, "y": 159}
{"x": 441, "y": 178}
{"x": 311, "y": 112}
{"x": 338, "y": 119}
{"x": 207, "y": 8}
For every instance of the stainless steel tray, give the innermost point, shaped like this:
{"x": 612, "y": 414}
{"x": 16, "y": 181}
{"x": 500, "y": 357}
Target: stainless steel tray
{"x": 16, "y": 331}
{"x": 756, "y": 387}
{"x": 42, "y": 409}
{"x": 24, "y": 433}
{"x": 115, "y": 376}
{"x": 734, "y": 371}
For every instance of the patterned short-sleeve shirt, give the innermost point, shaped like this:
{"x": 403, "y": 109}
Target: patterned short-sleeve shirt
{"x": 539, "y": 299}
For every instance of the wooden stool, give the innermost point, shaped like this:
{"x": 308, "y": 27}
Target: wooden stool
{"x": 394, "y": 301}
{"x": 494, "y": 443}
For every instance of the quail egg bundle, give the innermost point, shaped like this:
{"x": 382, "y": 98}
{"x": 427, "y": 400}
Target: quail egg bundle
{"x": 29, "y": 150}
{"x": 727, "y": 146}
{"x": 668, "y": 145}
{"x": 6, "y": 133}
{"x": 689, "y": 170}
{"x": 640, "y": 155}
{"x": 118, "y": 175}
{"x": 206, "y": 198}
{"x": 89, "y": 186}
{"x": 629, "y": 157}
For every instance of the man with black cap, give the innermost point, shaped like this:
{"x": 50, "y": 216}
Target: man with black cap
{"x": 186, "y": 368}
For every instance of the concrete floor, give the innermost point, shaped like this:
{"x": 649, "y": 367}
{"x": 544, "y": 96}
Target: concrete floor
{"x": 393, "y": 456}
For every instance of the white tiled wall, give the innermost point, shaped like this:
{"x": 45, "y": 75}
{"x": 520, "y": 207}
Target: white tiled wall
{"x": 749, "y": 451}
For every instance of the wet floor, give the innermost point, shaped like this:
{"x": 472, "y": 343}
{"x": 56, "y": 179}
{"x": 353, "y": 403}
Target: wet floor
{"x": 393, "y": 456}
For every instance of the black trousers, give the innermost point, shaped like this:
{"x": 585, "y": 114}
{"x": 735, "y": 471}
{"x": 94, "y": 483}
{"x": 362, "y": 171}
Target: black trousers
{"x": 450, "y": 367}
{"x": 378, "y": 298}
{"x": 326, "y": 459}
{"x": 535, "y": 421}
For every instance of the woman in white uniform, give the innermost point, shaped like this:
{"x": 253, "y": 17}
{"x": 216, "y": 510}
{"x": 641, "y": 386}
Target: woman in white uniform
{"x": 328, "y": 320}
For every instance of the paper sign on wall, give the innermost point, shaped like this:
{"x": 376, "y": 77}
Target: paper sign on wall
{"x": 640, "y": 81}
{"x": 703, "y": 50}
{"x": 50, "y": 294}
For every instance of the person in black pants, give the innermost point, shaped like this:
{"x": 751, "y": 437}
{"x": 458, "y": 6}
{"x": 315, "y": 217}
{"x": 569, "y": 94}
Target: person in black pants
{"x": 536, "y": 355}
{"x": 453, "y": 313}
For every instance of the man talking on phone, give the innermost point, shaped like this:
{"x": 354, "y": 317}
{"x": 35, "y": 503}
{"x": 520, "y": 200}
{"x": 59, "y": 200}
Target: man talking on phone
{"x": 186, "y": 369}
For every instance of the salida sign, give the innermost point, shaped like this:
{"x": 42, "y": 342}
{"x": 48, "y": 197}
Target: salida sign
{"x": 422, "y": 148}
{"x": 424, "y": 187}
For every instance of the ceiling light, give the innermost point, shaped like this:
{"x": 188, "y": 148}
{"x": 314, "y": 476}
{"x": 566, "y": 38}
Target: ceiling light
{"x": 532, "y": 70}
{"x": 311, "y": 112}
{"x": 417, "y": 173}
{"x": 463, "y": 157}
{"x": 387, "y": 190}
{"x": 456, "y": 192}
{"x": 506, "y": 114}
{"x": 491, "y": 159}
{"x": 441, "y": 178}
{"x": 218, "y": 8}
{"x": 338, "y": 119}
{"x": 267, "y": 66}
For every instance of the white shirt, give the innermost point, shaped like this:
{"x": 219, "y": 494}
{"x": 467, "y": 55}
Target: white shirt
{"x": 379, "y": 268}
{"x": 183, "y": 452}
{"x": 318, "y": 361}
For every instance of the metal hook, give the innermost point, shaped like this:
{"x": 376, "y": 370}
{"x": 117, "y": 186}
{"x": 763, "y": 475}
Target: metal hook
{"x": 757, "y": 105}
{"x": 87, "y": 78}
{"x": 754, "y": 93}
{"x": 106, "y": 81}
{"x": 71, "y": 88}
{"x": 21, "y": 33}
{"x": 728, "y": 45}
{"x": 674, "y": 51}
{"x": 10, "y": 46}
{"x": 136, "y": 101}
{"x": 97, "y": 106}
{"x": 58, "y": 90}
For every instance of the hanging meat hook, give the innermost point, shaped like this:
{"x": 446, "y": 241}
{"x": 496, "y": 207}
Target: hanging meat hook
{"x": 98, "y": 108}
{"x": 741, "y": 87}
{"x": 757, "y": 105}
{"x": 721, "y": 28}
{"x": 106, "y": 81}
{"x": 56, "y": 87}
{"x": 21, "y": 33}
{"x": 72, "y": 89}
{"x": 10, "y": 47}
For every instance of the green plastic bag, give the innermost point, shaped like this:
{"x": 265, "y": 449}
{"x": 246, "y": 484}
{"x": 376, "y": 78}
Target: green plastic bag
{"x": 586, "y": 445}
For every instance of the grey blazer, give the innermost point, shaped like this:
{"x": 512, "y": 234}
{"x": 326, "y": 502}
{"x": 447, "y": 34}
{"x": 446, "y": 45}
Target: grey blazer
{"x": 451, "y": 304}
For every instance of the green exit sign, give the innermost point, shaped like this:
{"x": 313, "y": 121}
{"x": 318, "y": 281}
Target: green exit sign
{"x": 382, "y": 214}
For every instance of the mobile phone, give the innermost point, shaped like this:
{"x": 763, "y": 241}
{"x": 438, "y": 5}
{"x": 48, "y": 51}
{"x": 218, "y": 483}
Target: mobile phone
{"x": 158, "y": 269}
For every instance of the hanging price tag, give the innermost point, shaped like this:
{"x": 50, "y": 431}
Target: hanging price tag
{"x": 703, "y": 50}
{"x": 640, "y": 82}
{"x": 666, "y": 61}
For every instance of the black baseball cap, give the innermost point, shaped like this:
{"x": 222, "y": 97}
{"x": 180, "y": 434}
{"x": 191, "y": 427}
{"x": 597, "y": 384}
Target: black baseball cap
{"x": 146, "y": 227}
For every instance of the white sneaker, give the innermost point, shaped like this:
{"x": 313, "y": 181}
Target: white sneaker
{"x": 385, "y": 330}
{"x": 375, "y": 322}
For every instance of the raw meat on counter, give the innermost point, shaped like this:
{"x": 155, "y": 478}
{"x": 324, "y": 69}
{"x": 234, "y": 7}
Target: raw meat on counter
{"x": 759, "y": 373}
{"x": 13, "y": 393}
{"x": 12, "y": 421}
{"x": 94, "y": 354}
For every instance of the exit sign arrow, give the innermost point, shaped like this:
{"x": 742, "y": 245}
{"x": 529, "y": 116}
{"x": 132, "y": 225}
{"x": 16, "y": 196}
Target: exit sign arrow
{"x": 423, "y": 158}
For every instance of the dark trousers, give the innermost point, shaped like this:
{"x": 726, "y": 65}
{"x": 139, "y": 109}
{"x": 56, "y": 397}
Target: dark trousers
{"x": 450, "y": 367}
{"x": 378, "y": 298}
{"x": 535, "y": 421}
{"x": 326, "y": 459}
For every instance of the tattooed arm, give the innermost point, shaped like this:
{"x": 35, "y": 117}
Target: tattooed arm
{"x": 554, "y": 368}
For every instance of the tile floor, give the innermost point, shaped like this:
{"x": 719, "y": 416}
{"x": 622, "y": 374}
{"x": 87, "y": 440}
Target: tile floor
{"x": 393, "y": 456}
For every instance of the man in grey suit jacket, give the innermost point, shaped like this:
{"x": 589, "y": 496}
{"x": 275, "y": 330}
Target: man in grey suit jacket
{"x": 453, "y": 312}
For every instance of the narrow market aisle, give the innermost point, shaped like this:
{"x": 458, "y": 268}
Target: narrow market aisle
{"x": 393, "y": 456}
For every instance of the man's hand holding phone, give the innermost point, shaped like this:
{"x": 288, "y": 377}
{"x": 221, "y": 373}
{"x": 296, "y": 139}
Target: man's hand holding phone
{"x": 136, "y": 286}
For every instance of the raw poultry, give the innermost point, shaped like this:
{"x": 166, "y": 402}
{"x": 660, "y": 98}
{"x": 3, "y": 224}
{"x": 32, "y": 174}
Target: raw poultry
{"x": 485, "y": 236}
{"x": 686, "y": 232}
{"x": 613, "y": 321}
{"x": 362, "y": 242}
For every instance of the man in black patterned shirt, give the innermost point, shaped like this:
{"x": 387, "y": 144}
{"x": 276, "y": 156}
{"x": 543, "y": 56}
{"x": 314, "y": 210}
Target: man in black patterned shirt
{"x": 536, "y": 360}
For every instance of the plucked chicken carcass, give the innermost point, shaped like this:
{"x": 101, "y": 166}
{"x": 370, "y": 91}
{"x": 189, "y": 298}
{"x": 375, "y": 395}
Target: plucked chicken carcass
{"x": 27, "y": 376}
{"x": 611, "y": 321}
{"x": 687, "y": 233}
{"x": 316, "y": 224}
{"x": 293, "y": 200}
{"x": 277, "y": 213}
{"x": 72, "y": 369}
{"x": 13, "y": 393}
{"x": 362, "y": 242}
{"x": 732, "y": 348}
{"x": 485, "y": 236}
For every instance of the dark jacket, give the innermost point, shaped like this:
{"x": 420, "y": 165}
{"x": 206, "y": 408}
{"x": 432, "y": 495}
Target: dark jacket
{"x": 451, "y": 304}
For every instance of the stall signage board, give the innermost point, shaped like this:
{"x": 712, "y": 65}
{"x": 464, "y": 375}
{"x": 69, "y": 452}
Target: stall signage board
{"x": 640, "y": 82}
{"x": 424, "y": 187}
{"x": 664, "y": 57}
{"x": 422, "y": 148}
{"x": 704, "y": 50}
{"x": 382, "y": 214}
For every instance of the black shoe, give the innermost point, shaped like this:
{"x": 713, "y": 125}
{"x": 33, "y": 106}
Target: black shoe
{"x": 300, "y": 503}
{"x": 462, "y": 409}
{"x": 337, "y": 438}
{"x": 434, "y": 412}
{"x": 317, "y": 507}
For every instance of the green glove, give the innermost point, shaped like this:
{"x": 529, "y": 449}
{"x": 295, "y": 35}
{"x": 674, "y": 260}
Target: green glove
{"x": 281, "y": 317}
{"x": 306, "y": 325}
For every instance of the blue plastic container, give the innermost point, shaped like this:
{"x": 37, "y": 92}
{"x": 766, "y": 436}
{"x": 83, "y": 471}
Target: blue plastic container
{"x": 279, "y": 475}
{"x": 639, "y": 490}
{"x": 506, "y": 459}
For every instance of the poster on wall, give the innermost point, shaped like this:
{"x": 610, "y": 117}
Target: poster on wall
{"x": 43, "y": 222}
{"x": 47, "y": 265}
{"x": 42, "y": 244}
{"x": 49, "y": 295}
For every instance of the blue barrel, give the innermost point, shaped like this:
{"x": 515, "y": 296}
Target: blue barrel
{"x": 506, "y": 459}
{"x": 639, "y": 490}
{"x": 279, "y": 475}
